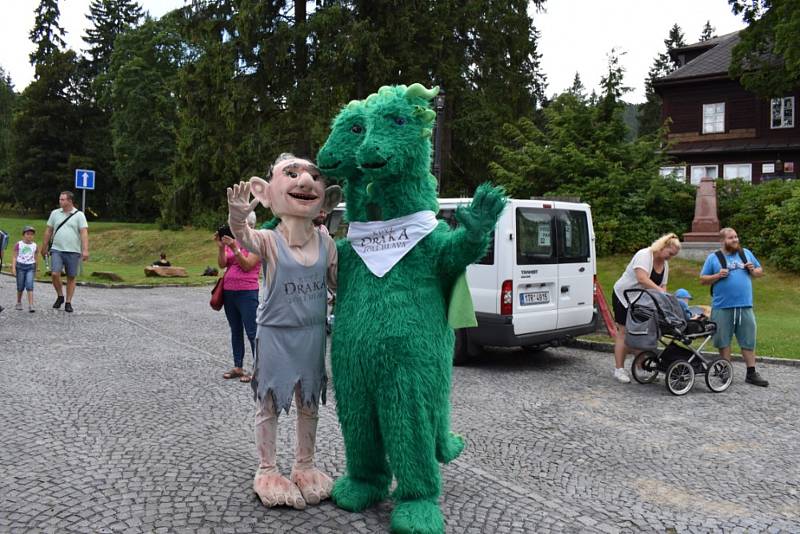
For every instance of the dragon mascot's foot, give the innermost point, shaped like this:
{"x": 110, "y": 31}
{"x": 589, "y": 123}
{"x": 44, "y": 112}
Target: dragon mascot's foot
{"x": 450, "y": 448}
{"x": 356, "y": 495}
{"x": 417, "y": 517}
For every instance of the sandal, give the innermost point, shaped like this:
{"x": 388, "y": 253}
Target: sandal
{"x": 233, "y": 373}
{"x": 245, "y": 378}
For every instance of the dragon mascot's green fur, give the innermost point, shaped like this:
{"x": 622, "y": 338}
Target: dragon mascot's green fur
{"x": 392, "y": 346}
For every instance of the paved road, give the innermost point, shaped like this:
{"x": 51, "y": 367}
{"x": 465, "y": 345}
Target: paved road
{"x": 115, "y": 418}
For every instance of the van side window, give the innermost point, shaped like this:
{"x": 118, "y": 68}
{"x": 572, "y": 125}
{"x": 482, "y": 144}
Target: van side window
{"x": 535, "y": 236}
{"x": 573, "y": 236}
{"x": 449, "y": 216}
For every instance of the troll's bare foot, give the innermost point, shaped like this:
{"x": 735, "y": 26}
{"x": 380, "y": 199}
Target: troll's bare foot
{"x": 275, "y": 489}
{"x": 313, "y": 484}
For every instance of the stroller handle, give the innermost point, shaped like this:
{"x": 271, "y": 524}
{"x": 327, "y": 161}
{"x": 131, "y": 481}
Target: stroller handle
{"x": 639, "y": 292}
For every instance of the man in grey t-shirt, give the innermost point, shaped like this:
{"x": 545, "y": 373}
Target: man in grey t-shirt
{"x": 70, "y": 234}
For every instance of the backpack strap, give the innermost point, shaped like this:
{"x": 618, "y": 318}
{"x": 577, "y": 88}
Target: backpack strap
{"x": 743, "y": 256}
{"x": 723, "y": 264}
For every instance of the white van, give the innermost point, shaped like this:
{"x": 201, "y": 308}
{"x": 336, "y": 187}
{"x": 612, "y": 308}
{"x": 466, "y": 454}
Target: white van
{"x": 535, "y": 286}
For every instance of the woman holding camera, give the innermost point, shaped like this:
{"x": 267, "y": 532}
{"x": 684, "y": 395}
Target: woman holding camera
{"x": 240, "y": 289}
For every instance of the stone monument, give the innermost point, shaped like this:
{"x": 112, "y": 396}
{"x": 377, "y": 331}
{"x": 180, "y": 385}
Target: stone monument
{"x": 704, "y": 237}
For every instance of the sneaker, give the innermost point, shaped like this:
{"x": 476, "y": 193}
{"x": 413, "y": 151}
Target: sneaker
{"x": 59, "y": 301}
{"x": 31, "y": 309}
{"x": 756, "y": 380}
{"x": 622, "y": 375}
{"x": 68, "y": 307}
{"x": 18, "y": 306}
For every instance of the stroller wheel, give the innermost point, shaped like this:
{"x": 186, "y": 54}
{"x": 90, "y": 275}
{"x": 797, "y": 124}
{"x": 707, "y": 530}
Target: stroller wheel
{"x": 644, "y": 368}
{"x": 680, "y": 377}
{"x": 719, "y": 376}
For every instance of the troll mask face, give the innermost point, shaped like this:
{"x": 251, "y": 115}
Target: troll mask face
{"x": 295, "y": 189}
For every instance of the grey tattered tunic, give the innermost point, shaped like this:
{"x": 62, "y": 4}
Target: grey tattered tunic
{"x": 290, "y": 340}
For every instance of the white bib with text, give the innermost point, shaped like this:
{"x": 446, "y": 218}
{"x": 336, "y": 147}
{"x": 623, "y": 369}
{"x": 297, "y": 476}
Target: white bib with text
{"x": 381, "y": 244}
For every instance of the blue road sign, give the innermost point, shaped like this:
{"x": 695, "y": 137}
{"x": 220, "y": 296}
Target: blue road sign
{"x": 84, "y": 179}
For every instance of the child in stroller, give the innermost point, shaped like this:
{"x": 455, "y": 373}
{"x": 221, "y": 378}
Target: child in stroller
{"x": 655, "y": 317}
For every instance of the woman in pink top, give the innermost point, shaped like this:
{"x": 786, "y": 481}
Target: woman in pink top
{"x": 240, "y": 288}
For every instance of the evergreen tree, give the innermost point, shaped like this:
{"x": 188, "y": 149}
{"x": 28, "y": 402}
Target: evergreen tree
{"x": 582, "y": 151}
{"x": 767, "y": 58}
{"x": 577, "y": 88}
{"x": 46, "y": 34}
{"x": 7, "y": 102}
{"x": 142, "y": 73}
{"x": 45, "y": 144}
{"x": 708, "y": 32}
{"x": 109, "y": 19}
{"x": 650, "y": 111}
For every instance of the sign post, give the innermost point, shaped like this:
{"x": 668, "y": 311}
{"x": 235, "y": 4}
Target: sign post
{"x": 84, "y": 179}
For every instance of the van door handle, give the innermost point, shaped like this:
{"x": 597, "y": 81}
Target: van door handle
{"x": 564, "y": 289}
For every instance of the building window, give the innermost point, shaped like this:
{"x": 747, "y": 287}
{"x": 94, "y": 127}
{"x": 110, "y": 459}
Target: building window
{"x": 714, "y": 118}
{"x": 782, "y": 112}
{"x": 678, "y": 173}
{"x": 739, "y": 170}
{"x": 701, "y": 171}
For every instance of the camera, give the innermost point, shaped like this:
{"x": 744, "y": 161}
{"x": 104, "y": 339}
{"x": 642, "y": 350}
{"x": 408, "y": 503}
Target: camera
{"x": 224, "y": 230}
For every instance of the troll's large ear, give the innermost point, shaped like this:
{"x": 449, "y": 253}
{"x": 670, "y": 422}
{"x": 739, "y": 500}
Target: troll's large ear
{"x": 333, "y": 195}
{"x": 260, "y": 189}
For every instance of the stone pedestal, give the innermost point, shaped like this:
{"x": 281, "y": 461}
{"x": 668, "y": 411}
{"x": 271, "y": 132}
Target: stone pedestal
{"x": 704, "y": 237}
{"x": 705, "y": 226}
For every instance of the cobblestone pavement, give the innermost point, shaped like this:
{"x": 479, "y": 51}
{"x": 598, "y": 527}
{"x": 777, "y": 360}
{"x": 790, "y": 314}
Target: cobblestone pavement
{"x": 115, "y": 418}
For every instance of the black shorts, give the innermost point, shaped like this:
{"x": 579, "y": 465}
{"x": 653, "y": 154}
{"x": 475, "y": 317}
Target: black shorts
{"x": 620, "y": 311}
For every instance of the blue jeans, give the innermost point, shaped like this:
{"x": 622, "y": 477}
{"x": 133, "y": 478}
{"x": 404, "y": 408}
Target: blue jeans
{"x": 25, "y": 276}
{"x": 240, "y": 309}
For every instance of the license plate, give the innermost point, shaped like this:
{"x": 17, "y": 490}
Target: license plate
{"x": 537, "y": 297}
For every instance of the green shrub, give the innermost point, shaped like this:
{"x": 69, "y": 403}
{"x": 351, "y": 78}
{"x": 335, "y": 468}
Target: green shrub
{"x": 766, "y": 217}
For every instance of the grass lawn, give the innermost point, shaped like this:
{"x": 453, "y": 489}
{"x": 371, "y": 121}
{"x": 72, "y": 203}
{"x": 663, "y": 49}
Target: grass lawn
{"x": 127, "y": 248}
{"x": 777, "y": 301}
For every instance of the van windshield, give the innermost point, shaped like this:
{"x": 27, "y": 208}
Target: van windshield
{"x": 449, "y": 216}
{"x": 535, "y": 236}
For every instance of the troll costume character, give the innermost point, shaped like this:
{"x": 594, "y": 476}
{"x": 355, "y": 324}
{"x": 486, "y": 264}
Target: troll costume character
{"x": 392, "y": 346}
{"x": 299, "y": 266}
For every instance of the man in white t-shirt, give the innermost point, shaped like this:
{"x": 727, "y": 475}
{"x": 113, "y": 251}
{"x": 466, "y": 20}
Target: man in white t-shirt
{"x": 69, "y": 232}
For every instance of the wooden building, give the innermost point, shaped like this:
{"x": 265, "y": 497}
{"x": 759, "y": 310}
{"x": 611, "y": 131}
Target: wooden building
{"x": 718, "y": 128}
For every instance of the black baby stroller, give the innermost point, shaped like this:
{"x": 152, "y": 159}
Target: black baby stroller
{"x": 655, "y": 317}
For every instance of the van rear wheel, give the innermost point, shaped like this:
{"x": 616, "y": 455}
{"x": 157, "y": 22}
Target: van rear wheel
{"x": 461, "y": 348}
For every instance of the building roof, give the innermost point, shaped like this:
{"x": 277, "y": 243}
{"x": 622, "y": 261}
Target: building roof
{"x": 714, "y": 62}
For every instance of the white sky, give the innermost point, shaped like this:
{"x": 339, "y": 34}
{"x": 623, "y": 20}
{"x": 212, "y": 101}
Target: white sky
{"x": 576, "y": 35}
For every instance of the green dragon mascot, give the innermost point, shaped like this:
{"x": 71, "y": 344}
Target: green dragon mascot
{"x": 392, "y": 346}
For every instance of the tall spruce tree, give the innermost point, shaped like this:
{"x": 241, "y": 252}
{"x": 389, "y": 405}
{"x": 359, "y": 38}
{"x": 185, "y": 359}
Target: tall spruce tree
{"x": 708, "y": 32}
{"x": 46, "y": 144}
{"x": 650, "y": 111}
{"x": 8, "y": 99}
{"x": 109, "y": 19}
{"x": 46, "y": 34}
